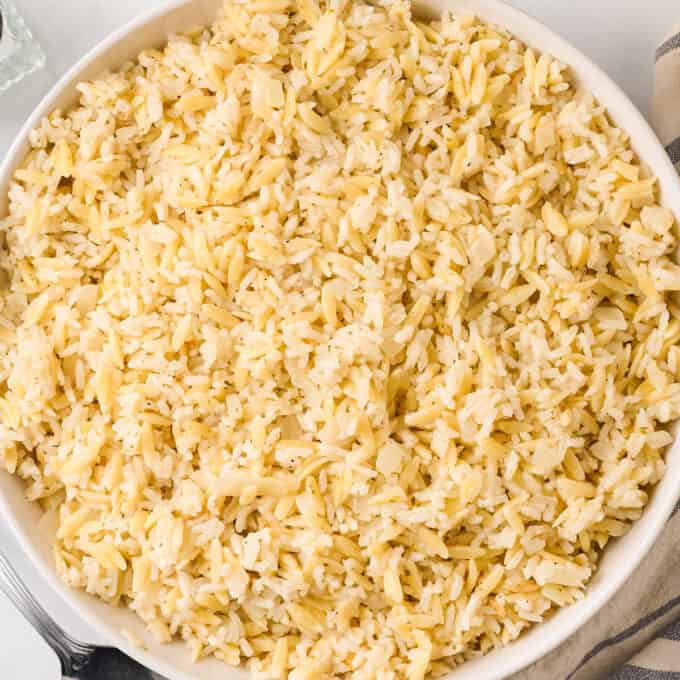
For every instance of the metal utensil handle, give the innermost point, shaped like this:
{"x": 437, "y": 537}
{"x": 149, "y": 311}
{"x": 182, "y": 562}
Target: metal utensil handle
{"x": 73, "y": 655}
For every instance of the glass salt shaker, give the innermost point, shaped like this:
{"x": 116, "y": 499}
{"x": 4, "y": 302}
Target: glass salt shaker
{"x": 20, "y": 54}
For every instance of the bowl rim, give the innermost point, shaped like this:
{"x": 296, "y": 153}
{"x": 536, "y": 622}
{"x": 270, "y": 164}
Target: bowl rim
{"x": 509, "y": 18}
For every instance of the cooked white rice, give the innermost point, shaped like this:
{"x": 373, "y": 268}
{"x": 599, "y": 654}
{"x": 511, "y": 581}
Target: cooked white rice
{"x": 340, "y": 343}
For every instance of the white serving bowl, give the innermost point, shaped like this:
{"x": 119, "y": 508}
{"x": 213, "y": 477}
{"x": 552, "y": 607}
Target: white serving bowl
{"x": 621, "y": 557}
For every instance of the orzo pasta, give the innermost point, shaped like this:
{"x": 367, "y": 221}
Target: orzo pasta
{"x": 339, "y": 344}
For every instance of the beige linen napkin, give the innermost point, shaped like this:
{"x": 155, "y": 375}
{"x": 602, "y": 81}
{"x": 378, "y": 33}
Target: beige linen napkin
{"x": 636, "y": 636}
{"x": 667, "y": 96}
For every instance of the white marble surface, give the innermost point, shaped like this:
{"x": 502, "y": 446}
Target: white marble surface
{"x": 620, "y": 35}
